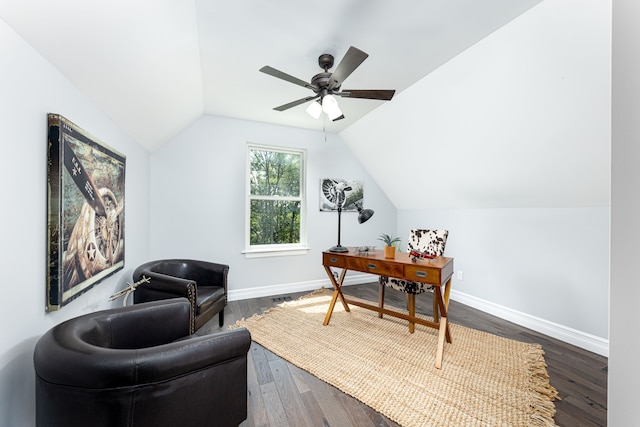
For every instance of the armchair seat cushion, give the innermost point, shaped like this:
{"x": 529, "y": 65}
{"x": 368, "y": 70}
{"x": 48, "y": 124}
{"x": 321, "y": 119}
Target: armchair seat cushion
{"x": 209, "y": 296}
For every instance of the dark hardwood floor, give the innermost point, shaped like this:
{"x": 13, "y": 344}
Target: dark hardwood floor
{"x": 281, "y": 394}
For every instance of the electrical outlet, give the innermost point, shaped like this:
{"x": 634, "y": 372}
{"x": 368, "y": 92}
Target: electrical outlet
{"x": 459, "y": 275}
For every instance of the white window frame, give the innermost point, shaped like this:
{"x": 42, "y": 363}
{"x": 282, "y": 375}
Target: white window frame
{"x": 258, "y": 251}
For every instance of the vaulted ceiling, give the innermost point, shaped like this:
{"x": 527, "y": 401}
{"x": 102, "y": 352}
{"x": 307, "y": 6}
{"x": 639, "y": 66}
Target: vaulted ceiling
{"x": 154, "y": 66}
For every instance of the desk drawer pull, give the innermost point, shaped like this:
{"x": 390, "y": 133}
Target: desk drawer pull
{"x": 371, "y": 266}
{"x": 333, "y": 259}
{"x": 422, "y": 274}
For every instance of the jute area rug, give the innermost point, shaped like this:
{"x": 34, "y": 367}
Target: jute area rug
{"x": 485, "y": 380}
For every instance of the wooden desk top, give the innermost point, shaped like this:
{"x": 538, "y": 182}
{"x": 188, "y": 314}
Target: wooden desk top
{"x": 434, "y": 271}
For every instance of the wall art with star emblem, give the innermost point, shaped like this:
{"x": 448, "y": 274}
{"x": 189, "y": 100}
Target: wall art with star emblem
{"x": 85, "y": 211}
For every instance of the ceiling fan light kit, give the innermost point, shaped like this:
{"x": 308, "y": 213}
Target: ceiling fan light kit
{"x": 330, "y": 107}
{"x": 326, "y": 85}
{"x": 314, "y": 109}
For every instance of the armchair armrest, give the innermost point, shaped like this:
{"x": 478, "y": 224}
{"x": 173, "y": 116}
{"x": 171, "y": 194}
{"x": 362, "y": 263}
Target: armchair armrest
{"x": 171, "y": 286}
{"x": 190, "y": 355}
{"x": 162, "y": 287}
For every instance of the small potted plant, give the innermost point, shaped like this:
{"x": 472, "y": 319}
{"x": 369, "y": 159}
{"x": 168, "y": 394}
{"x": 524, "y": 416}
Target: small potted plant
{"x": 389, "y": 245}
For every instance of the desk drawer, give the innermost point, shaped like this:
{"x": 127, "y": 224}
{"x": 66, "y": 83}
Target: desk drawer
{"x": 422, "y": 273}
{"x": 332, "y": 260}
{"x": 374, "y": 266}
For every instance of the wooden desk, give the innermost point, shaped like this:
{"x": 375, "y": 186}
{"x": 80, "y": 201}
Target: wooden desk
{"x": 436, "y": 272}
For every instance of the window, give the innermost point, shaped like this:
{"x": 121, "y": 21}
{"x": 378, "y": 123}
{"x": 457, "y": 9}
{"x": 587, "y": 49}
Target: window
{"x": 276, "y": 207}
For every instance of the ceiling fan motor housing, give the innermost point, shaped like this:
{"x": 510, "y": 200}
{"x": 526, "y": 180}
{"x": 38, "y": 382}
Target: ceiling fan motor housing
{"x": 321, "y": 81}
{"x": 325, "y": 61}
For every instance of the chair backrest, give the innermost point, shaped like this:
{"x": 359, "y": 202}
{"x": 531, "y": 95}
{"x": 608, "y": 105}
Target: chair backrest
{"x": 431, "y": 242}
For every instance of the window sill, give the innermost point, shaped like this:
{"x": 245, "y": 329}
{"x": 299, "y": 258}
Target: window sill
{"x": 273, "y": 252}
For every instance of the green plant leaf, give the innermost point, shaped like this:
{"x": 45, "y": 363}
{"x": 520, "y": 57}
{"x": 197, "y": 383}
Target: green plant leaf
{"x": 388, "y": 240}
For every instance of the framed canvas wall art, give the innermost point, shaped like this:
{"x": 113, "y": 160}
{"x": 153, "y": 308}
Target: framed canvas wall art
{"x": 85, "y": 211}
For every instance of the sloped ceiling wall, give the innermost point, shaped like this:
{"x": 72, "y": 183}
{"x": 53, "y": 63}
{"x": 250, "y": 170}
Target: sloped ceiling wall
{"x": 521, "y": 119}
{"x": 155, "y": 66}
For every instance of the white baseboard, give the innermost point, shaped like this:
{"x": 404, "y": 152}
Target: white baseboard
{"x": 580, "y": 339}
{"x": 266, "y": 291}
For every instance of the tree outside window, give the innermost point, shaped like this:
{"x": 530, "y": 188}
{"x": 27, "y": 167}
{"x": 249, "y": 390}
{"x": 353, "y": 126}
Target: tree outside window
{"x": 275, "y": 197}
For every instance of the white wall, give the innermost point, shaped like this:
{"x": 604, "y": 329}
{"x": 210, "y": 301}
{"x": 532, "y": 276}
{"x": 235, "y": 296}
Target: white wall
{"x": 546, "y": 269}
{"x": 624, "y": 370}
{"x": 30, "y": 88}
{"x": 198, "y": 203}
{"x": 508, "y": 146}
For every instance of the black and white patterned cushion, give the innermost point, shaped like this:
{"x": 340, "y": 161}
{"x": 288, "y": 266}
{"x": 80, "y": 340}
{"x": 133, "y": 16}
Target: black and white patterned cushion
{"x": 431, "y": 242}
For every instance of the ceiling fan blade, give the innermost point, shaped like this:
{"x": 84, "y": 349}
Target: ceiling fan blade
{"x": 338, "y": 118}
{"x": 352, "y": 60}
{"x": 284, "y": 76}
{"x": 384, "y": 95}
{"x": 294, "y": 103}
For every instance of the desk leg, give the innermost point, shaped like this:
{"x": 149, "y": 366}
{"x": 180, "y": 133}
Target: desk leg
{"x": 411, "y": 308}
{"x": 336, "y": 293}
{"x": 441, "y": 337}
{"x": 443, "y": 332}
{"x": 443, "y": 303}
{"x": 447, "y": 291}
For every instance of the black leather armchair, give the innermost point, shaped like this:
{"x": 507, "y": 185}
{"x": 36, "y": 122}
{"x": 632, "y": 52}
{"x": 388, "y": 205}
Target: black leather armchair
{"x": 203, "y": 283}
{"x": 137, "y": 366}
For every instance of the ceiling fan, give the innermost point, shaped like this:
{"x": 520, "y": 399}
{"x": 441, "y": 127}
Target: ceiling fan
{"x": 326, "y": 85}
